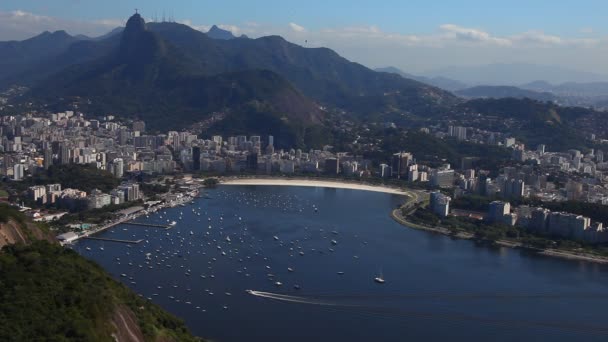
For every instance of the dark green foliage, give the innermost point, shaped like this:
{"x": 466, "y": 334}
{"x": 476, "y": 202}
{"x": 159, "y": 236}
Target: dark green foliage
{"x": 151, "y": 189}
{"x": 542, "y": 123}
{"x": 79, "y": 176}
{"x": 48, "y": 293}
{"x": 7, "y": 212}
{"x": 434, "y": 151}
{"x": 210, "y": 182}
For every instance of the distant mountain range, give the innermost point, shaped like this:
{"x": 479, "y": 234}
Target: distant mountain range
{"x": 591, "y": 94}
{"x": 438, "y": 81}
{"x": 218, "y": 33}
{"x": 515, "y": 74}
{"x": 172, "y": 75}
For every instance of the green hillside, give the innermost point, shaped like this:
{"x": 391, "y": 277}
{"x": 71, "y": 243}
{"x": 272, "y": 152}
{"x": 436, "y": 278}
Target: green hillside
{"x": 49, "y": 293}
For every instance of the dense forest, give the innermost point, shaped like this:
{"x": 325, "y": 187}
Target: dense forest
{"x": 50, "y": 293}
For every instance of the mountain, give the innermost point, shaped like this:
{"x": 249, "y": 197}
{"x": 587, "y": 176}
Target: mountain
{"x": 319, "y": 73}
{"x": 18, "y": 56}
{"x": 174, "y": 52}
{"x": 145, "y": 75}
{"x": 113, "y": 32}
{"x": 50, "y": 293}
{"x": 534, "y": 122}
{"x": 515, "y": 74}
{"x": 590, "y": 89}
{"x": 504, "y": 91}
{"x": 439, "y": 82}
{"x": 217, "y": 33}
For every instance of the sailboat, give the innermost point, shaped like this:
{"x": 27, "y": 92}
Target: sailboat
{"x": 379, "y": 279}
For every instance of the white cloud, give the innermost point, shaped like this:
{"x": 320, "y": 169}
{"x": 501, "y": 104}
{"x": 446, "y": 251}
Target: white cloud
{"x": 296, "y": 27}
{"x": 232, "y": 28}
{"x": 455, "y": 32}
{"x": 18, "y": 24}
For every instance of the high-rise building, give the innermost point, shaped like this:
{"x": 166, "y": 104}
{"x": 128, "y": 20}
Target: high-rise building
{"x": 18, "y": 171}
{"x": 48, "y": 158}
{"x": 400, "y": 162}
{"x": 64, "y": 154}
{"x": 442, "y": 178}
{"x": 118, "y": 167}
{"x": 196, "y": 158}
{"x": 458, "y": 132}
{"x": 270, "y": 140}
{"x": 332, "y": 166}
{"x": 252, "y": 161}
{"x": 440, "y": 203}
{"x": 498, "y": 210}
{"x": 385, "y": 171}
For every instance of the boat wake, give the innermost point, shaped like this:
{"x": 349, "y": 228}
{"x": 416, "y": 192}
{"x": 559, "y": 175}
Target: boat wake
{"x": 400, "y": 314}
{"x": 296, "y": 299}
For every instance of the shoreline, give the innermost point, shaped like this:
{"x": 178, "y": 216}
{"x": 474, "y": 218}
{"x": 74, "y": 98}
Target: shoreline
{"x": 556, "y": 253}
{"x": 334, "y": 184}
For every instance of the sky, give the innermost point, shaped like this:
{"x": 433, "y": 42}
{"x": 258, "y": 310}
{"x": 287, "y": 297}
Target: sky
{"x": 415, "y": 36}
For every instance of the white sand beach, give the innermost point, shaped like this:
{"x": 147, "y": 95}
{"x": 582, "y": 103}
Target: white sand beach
{"x": 312, "y": 183}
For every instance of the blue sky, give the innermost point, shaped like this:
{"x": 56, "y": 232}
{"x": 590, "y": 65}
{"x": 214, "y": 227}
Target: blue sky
{"x": 413, "y": 35}
{"x": 503, "y": 17}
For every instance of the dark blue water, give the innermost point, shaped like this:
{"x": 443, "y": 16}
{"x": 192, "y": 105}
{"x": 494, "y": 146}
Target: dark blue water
{"x": 436, "y": 288}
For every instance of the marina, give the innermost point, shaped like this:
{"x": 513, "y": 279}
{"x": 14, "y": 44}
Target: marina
{"x": 134, "y": 242}
{"x": 267, "y": 258}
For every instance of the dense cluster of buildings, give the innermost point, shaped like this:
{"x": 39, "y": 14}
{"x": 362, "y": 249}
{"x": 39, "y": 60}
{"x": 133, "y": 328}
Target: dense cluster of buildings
{"x": 74, "y": 199}
{"x": 544, "y": 221}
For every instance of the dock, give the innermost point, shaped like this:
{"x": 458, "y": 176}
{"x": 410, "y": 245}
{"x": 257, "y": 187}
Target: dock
{"x": 152, "y": 225}
{"x": 133, "y": 242}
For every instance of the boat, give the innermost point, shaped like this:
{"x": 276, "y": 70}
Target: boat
{"x": 276, "y": 238}
{"x": 278, "y": 283}
{"x": 88, "y": 248}
{"x": 289, "y": 269}
{"x": 379, "y": 279}
{"x": 173, "y": 223}
{"x": 334, "y": 242}
{"x": 191, "y": 233}
{"x": 340, "y": 273}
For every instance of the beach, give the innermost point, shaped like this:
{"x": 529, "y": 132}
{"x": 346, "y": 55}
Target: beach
{"x": 313, "y": 183}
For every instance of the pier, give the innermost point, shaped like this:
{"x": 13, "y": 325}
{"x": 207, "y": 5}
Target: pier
{"x": 164, "y": 226}
{"x": 133, "y": 242}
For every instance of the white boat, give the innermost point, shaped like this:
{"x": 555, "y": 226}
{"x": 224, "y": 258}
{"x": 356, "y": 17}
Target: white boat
{"x": 379, "y": 279}
{"x": 278, "y": 283}
{"x": 173, "y": 223}
{"x": 191, "y": 233}
{"x": 88, "y": 248}
{"x": 334, "y": 242}
{"x": 228, "y": 238}
{"x": 276, "y": 238}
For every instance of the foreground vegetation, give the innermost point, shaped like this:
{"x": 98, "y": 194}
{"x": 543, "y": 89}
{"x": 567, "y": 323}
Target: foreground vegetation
{"x": 48, "y": 293}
